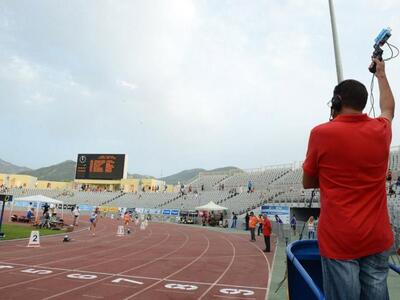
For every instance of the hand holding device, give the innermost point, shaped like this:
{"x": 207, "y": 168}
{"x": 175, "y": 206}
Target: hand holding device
{"x": 380, "y": 40}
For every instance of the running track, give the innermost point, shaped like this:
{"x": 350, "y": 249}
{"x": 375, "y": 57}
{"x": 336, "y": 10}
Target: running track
{"x": 165, "y": 261}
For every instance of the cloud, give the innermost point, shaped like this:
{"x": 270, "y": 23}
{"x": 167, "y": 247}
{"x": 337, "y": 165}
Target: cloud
{"x": 177, "y": 84}
{"x": 126, "y": 84}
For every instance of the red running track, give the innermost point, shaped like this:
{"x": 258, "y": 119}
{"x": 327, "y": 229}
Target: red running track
{"x": 165, "y": 261}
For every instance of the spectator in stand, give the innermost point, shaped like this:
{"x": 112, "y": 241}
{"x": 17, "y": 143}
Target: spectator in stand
{"x": 253, "y": 220}
{"x": 293, "y": 223}
{"x": 311, "y": 228}
{"x": 260, "y": 224}
{"x": 267, "y": 228}
{"x": 249, "y": 186}
{"x": 234, "y": 220}
{"x": 398, "y": 183}
{"x": 246, "y": 219}
{"x": 392, "y": 192}
{"x": 389, "y": 176}
{"x": 202, "y": 187}
{"x": 279, "y": 223}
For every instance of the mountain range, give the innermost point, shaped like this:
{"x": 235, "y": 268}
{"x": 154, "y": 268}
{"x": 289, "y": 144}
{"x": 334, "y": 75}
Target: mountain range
{"x": 65, "y": 171}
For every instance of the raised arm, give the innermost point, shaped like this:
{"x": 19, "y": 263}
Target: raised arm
{"x": 386, "y": 100}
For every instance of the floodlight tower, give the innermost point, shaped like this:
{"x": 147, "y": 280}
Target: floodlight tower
{"x": 338, "y": 61}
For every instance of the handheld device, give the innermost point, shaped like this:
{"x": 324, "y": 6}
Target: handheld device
{"x": 380, "y": 40}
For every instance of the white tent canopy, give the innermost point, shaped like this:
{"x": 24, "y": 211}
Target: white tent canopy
{"x": 211, "y": 206}
{"x": 39, "y": 199}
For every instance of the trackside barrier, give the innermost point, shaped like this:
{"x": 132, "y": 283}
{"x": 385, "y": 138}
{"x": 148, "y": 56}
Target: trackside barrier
{"x": 395, "y": 268}
{"x": 304, "y": 270}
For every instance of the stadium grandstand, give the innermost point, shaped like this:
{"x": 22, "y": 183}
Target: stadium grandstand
{"x": 259, "y": 190}
{"x": 240, "y": 192}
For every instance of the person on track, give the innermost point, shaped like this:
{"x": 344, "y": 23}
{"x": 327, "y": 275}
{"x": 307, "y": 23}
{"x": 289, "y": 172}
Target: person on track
{"x": 267, "y": 228}
{"x": 260, "y": 224}
{"x": 253, "y": 220}
{"x": 93, "y": 221}
{"x": 76, "y": 214}
{"x": 127, "y": 220}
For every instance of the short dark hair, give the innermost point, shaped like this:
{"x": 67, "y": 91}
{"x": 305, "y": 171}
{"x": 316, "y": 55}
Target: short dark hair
{"x": 352, "y": 93}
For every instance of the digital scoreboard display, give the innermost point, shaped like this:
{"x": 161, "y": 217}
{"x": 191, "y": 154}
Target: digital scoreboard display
{"x": 100, "y": 166}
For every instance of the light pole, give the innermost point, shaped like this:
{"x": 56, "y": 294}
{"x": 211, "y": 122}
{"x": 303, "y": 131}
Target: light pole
{"x": 338, "y": 61}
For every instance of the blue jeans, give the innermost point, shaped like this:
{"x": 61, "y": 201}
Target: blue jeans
{"x": 233, "y": 223}
{"x": 364, "y": 278}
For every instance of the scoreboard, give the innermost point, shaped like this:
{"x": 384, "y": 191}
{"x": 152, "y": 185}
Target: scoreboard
{"x": 100, "y": 166}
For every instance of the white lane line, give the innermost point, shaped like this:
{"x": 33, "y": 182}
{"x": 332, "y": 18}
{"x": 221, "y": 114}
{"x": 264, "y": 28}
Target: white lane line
{"x": 91, "y": 296}
{"x": 73, "y": 257}
{"x": 230, "y": 297}
{"x": 176, "y": 272}
{"x": 51, "y": 276}
{"x": 268, "y": 266}
{"x": 141, "y": 277}
{"x": 36, "y": 289}
{"x": 226, "y": 270}
{"x": 272, "y": 269}
{"x": 121, "y": 273}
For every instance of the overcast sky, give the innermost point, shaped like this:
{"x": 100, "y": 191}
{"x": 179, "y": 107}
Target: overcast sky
{"x": 178, "y": 84}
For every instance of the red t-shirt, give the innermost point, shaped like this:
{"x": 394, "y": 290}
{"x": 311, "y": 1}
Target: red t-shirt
{"x": 349, "y": 155}
{"x": 266, "y": 227}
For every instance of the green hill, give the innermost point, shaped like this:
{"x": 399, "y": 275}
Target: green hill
{"x": 64, "y": 171}
{"x": 182, "y": 177}
{"x": 9, "y": 168}
{"x": 138, "y": 176}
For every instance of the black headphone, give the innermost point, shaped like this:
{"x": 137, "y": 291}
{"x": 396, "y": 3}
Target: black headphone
{"x": 336, "y": 104}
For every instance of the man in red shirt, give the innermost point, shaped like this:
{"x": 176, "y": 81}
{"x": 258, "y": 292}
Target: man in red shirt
{"x": 347, "y": 159}
{"x": 267, "y": 233}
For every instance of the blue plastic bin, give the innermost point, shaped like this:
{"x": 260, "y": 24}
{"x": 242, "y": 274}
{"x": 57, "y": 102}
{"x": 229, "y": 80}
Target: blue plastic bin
{"x": 304, "y": 270}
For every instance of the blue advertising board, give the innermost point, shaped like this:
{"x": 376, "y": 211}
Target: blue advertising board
{"x": 21, "y": 203}
{"x": 174, "y": 212}
{"x": 85, "y": 207}
{"x": 166, "y": 212}
{"x": 283, "y": 212}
